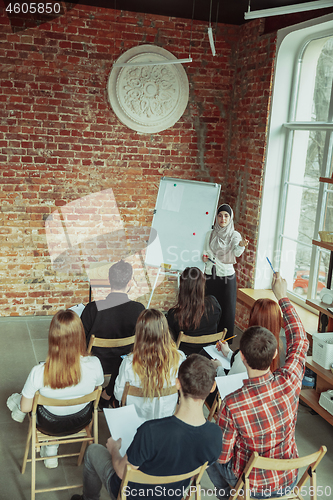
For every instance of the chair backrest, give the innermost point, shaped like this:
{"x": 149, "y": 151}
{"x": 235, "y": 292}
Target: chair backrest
{"x": 42, "y": 400}
{"x": 136, "y": 476}
{"x": 99, "y": 342}
{"x": 202, "y": 339}
{"x": 257, "y": 462}
{"x": 131, "y": 390}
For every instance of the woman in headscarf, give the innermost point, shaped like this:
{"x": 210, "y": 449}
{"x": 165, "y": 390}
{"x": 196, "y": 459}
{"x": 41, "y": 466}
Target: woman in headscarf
{"x": 222, "y": 245}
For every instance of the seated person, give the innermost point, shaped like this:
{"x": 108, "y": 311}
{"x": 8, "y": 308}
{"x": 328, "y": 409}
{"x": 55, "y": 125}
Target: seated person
{"x": 247, "y": 423}
{"x": 194, "y": 314}
{"x": 163, "y": 447}
{"x": 67, "y": 373}
{"x": 266, "y": 313}
{"x": 152, "y": 365}
{"x": 112, "y": 318}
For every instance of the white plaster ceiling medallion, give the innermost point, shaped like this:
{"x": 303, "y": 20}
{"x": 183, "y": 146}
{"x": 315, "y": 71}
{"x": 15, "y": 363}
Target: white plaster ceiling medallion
{"x": 148, "y": 98}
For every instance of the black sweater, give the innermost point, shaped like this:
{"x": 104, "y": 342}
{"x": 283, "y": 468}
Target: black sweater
{"x": 208, "y": 324}
{"x": 112, "y": 318}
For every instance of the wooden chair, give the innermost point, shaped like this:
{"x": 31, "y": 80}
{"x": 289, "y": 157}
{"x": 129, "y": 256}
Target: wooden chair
{"x": 131, "y": 390}
{"x": 134, "y": 475}
{"x": 202, "y": 339}
{"x": 99, "y": 342}
{"x": 256, "y": 462}
{"x": 214, "y": 409}
{"x": 38, "y": 438}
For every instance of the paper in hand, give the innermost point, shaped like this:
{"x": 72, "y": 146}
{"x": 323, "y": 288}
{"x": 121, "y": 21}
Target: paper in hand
{"x": 123, "y": 423}
{"x": 215, "y": 354}
{"x": 230, "y": 383}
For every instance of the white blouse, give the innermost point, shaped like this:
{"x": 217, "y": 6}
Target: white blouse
{"x": 146, "y": 408}
{"x": 91, "y": 376}
{"x": 221, "y": 269}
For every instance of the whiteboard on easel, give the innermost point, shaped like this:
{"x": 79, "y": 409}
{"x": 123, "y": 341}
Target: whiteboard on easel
{"x": 184, "y": 213}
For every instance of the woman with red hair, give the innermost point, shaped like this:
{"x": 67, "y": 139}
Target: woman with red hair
{"x": 266, "y": 313}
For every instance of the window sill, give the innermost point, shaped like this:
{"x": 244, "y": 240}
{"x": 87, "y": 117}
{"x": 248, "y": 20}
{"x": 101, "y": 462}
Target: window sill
{"x": 248, "y": 296}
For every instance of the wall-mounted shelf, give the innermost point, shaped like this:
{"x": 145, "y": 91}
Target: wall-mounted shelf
{"x": 323, "y": 244}
{"x": 319, "y": 306}
{"x": 324, "y": 383}
{"x": 328, "y": 180}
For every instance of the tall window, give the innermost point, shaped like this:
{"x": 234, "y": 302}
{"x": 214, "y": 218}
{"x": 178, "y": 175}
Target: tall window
{"x": 306, "y": 205}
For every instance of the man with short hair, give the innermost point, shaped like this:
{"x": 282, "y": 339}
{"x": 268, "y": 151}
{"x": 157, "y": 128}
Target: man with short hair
{"x": 261, "y": 416}
{"x": 161, "y": 447}
{"x": 112, "y": 318}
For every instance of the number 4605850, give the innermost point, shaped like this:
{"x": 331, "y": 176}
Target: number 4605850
{"x": 32, "y": 8}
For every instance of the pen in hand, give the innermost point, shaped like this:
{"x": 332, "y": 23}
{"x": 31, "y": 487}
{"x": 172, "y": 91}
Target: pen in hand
{"x": 269, "y": 262}
{"x": 225, "y": 340}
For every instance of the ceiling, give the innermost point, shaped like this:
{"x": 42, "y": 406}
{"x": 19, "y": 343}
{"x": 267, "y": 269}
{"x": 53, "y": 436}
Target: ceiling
{"x": 223, "y": 11}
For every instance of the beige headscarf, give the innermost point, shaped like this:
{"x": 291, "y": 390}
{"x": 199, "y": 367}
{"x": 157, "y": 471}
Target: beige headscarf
{"x": 223, "y": 240}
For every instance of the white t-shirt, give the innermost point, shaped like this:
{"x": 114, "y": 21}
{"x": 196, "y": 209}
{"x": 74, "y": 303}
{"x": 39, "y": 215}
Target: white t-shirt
{"x": 146, "y": 408}
{"x": 91, "y": 376}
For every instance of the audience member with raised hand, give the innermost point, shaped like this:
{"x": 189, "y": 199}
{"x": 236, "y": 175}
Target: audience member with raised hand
{"x": 152, "y": 366}
{"x": 163, "y": 447}
{"x": 194, "y": 314}
{"x": 67, "y": 373}
{"x": 269, "y": 429}
{"x": 266, "y": 313}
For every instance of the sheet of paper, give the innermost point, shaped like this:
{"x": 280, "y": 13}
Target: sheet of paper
{"x": 173, "y": 197}
{"x": 123, "y": 423}
{"x": 215, "y": 354}
{"x": 230, "y": 383}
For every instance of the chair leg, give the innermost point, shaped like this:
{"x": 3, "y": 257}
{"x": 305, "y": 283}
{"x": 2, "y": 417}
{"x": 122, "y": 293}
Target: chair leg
{"x": 26, "y": 452}
{"x": 313, "y": 484}
{"x": 33, "y": 466}
{"x": 82, "y": 452}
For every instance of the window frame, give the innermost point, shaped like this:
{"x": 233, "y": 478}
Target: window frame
{"x": 291, "y": 45}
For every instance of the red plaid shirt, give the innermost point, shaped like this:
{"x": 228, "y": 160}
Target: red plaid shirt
{"x": 261, "y": 416}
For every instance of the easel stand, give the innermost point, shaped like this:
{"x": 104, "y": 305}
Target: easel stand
{"x": 163, "y": 269}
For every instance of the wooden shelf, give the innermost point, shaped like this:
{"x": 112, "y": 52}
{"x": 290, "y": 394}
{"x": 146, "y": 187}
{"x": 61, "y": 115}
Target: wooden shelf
{"x": 324, "y": 383}
{"x": 326, "y": 375}
{"x": 311, "y": 398}
{"x": 323, "y": 244}
{"x": 320, "y": 306}
{"x": 329, "y": 180}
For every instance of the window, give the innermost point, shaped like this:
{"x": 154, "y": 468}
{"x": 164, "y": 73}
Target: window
{"x": 295, "y": 206}
{"x": 306, "y": 204}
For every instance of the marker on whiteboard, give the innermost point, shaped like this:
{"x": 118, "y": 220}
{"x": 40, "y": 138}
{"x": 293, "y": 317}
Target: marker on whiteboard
{"x": 209, "y": 259}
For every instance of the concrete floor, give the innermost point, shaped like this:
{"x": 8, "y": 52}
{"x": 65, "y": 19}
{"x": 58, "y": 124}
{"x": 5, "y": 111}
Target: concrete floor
{"x": 24, "y": 344}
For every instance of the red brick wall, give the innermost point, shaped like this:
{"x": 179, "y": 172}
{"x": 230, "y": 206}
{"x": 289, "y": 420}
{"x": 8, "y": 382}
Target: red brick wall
{"x": 60, "y": 139}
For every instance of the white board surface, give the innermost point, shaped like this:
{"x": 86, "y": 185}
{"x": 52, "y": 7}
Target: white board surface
{"x": 184, "y": 213}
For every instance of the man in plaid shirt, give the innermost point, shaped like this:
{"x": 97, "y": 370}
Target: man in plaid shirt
{"x": 261, "y": 416}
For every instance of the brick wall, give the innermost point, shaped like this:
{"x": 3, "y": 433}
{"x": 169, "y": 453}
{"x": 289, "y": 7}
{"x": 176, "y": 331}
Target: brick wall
{"x": 60, "y": 141}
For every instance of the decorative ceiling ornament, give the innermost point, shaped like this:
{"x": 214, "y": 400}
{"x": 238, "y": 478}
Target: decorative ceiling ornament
{"x": 148, "y": 98}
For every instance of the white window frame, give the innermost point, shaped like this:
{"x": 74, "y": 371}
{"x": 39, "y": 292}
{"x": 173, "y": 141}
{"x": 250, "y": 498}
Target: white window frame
{"x": 291, "y": 43}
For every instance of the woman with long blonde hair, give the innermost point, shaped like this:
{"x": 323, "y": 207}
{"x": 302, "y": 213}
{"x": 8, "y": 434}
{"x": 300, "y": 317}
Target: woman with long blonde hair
{"x": 152, "y": 366}
{"x": 67, "y": 373}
